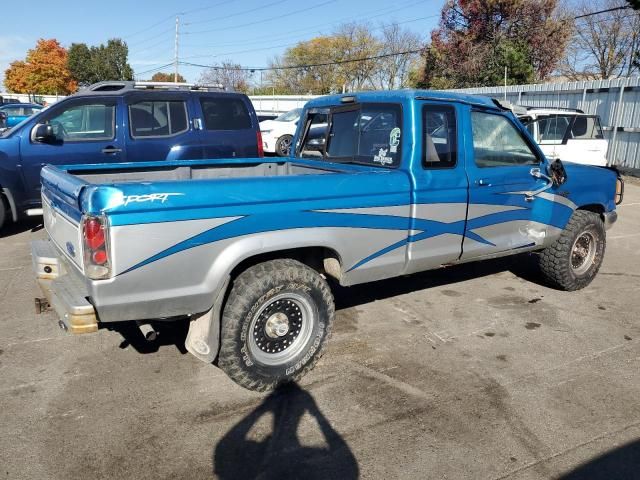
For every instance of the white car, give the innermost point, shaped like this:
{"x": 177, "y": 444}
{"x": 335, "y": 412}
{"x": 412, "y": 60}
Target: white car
{"x": 567, "y": 134}
{"x": 277, "y": 134}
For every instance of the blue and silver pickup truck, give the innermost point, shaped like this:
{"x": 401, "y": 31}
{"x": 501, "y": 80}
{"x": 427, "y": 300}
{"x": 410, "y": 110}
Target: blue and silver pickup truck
{"x": 396, "y": 183}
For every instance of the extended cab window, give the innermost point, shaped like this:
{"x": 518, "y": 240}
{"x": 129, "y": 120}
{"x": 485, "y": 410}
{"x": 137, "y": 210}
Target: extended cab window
{"x": 498, "y": 143}
{"x": 438, "y": 136}
{"x": 366, "y": 133}
{"x": 157, "y": 118}
{"x": 222, "y": 113}
{"x": 84, "y": 123}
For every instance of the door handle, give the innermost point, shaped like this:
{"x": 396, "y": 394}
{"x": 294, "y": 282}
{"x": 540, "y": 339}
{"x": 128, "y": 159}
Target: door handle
{"x": 483, "y": 183}
{"x": 537, "y": 173}
{"x": 108, "y": 150}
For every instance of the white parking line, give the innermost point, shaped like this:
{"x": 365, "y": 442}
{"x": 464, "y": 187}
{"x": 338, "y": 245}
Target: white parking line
{"x": 628, "y": 204}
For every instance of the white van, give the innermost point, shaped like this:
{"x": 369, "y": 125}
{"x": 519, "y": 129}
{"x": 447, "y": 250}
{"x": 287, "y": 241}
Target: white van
{"x": 567, "y": 134}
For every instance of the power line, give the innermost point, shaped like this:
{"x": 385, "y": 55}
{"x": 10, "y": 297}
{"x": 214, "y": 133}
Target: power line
{"x": 164, "y": 32}
{"x": 291, "y": 44}
{"x": 257, "y": 22}
{"x": 173, "y": 15}
{"x": 156, "y": 69}
{"x": 309, "y": 65}
{"x": 602, "y": 11}
{"x": 260, "y": 40}
{"x": 217, "y": 19}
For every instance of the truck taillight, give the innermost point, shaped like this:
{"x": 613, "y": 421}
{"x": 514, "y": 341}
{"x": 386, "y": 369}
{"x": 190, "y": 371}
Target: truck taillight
{"x": 96, "y": 248}
{"x": 260, "y": 145}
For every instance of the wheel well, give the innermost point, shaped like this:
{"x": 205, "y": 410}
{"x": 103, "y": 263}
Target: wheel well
{"x": 321, "y": 259}
{"x": 595, "y": 208}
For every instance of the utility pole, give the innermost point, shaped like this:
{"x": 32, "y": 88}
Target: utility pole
{"x": 505, "y": 83}
{"x": 175, "y": 58}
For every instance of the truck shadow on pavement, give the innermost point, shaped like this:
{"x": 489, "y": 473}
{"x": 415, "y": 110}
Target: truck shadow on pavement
{"x": 278, "y": 452}
{"x": 523, "y": 266}
{"x": 32, "y": 224}
{"x": 620, "y": 463}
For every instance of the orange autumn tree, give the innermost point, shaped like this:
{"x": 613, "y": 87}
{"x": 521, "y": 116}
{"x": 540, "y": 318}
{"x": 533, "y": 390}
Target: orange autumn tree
{"x": 43, "y": 72}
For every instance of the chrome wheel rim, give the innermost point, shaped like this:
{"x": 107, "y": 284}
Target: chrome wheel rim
{"x": 583, "y": 253}
{"x": 281, "y": 329}
{"x": 285, "y": 144}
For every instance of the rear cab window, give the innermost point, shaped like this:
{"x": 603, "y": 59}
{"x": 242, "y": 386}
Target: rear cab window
{"x": 439, "y": 143}
{"x": 366, "y": 133}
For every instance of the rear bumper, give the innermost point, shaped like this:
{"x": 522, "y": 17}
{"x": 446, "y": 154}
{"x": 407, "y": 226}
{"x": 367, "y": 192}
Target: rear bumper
{"x": 609, "y": 219}
{"x": 63, "y": 288}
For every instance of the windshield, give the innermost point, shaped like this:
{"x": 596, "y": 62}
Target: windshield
{"x": 366, "y": 133}
{"x": 290, "y": 116}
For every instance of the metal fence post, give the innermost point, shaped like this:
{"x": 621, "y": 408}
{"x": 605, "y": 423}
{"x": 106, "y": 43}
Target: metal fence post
{"x": 616, "y": 119}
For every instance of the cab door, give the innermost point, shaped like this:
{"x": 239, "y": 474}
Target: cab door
{"x": 508, "y": 208}
{"x": 439, "y": 204}
{"x": 86, "y": 131}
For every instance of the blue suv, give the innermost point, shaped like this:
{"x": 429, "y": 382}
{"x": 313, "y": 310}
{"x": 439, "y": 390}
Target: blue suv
{"x": 123, "y": 122}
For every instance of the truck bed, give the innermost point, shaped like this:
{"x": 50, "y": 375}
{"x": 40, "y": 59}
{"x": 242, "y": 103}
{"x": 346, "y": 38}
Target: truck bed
{"x": 196, "y": 170}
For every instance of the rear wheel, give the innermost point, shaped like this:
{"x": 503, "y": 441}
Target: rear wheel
{"x": 283, "y": 145}
{"x": 573, "y": 260}
{"x": 275, "y": 324}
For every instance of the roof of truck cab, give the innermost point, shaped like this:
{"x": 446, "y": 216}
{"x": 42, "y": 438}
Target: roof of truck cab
{"x": 404, "y": 95}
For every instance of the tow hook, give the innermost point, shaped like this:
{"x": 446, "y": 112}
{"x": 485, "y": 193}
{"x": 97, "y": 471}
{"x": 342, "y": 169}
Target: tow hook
{"x": 41, "y": 304}
{"x": 149, "y": 333}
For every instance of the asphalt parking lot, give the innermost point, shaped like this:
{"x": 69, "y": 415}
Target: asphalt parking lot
{"x": 475, "y": 372}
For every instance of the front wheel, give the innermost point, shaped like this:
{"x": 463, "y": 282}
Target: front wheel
{"x": 275, "y": 324}
{"x": 573, "y": 260}
{"x": 283, "y": 146}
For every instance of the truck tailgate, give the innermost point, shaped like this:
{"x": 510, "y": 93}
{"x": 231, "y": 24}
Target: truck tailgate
{"x": 61, "y": 213}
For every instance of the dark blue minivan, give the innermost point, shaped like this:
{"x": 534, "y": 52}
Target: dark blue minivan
{"x": 112, "y": 122}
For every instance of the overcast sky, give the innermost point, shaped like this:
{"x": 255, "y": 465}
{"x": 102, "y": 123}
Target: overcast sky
{"x": 249, "y": 32}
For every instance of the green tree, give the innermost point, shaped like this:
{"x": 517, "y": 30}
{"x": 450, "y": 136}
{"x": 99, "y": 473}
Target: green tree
{"x": 80, "y": 63}
{"x": 99, "y": 63}
{"x": 476, "y": 39}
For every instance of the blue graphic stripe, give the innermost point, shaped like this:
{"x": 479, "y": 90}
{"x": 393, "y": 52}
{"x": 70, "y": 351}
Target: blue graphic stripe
{"x": 260, "y": 223}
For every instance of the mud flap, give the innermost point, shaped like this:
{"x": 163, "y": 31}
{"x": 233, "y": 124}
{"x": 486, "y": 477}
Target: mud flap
{"x": 203, "y": 339}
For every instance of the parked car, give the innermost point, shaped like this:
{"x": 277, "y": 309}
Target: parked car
{"x": 406, "y": 181}
{"x": 123, "y": 122}
{"x": 17, "y": 112}
{"x": 567, "y": 134}
{"x": 8, "y": 100}
{"x": 278, "y": 133}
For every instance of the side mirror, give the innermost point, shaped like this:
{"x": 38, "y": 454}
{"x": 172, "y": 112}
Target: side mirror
{"x": 557, "y": 172}
{"x": 43, "y": 133}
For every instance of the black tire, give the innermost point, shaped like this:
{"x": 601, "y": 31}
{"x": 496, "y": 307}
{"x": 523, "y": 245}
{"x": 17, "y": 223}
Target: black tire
{"x": 4, "y": 211}
{"x": 283, "y": 146}
{"x": 573, "y": 260}
{"x": 253, "y": 352}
